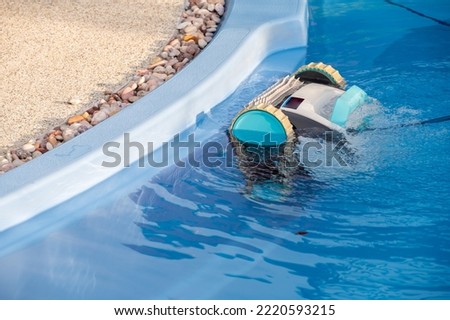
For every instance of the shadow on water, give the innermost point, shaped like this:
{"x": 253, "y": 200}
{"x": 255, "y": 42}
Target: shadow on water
{"x": 269, "y": 172}
{"x": 195, "y": 207}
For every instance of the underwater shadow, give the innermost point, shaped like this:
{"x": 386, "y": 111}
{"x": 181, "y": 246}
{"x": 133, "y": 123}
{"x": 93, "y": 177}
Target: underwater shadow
{"x": 192, "y": 208}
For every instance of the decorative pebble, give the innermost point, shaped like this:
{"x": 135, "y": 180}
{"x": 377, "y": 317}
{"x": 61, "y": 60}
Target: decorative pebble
{"x": 75, "y": 119}
{"x": 174, "y": 53}
{"x": 159, "y": 63}
{"x": 219, "y": 9}
{"x": 28, "y": 148}
{"x": 190, "y": 37}
{"x": 87, "y": 116}
{"x": 75, "y": 126}
{"x": 126, "y": 93}
{"x": 82, "y": 129}
{"x": 98, "y": 117}
{"x": 142, "y": 87}
{"x": 172, "y": 61}
{"x": 164, "y": 55}
{"x": 36, "y": 154}
{"x": 161, "y": 76}
{"x": 211, "y": 24}
{"x": 6, "y": 167}
{"x": 202, "y": 43}
{"x": 153, "y": 82}
{"x": 69, "y": 133}
{"x": 159, "y": 69}
{"x": 192, "y": 49}
{"x": 215, "y": 18}
{"x": 141, "y": 81}
{"x": 142, "y": 93}
{"x": 86, "y": 124}
{"x": 52, "y": 140}
{"x": 114, "y": 108}
{"x": 198, "y": 23}
{"x": 133, "y": 99}
{"x": 190, "y": 29}
{"x": 170, "y": 70}
{"x": 178, "y": 66}
{"x": 203, "y": 12}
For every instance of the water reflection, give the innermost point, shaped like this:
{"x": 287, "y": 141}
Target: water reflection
{"x": 199, "y": 207}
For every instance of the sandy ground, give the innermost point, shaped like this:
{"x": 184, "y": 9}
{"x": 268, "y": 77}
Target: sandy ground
{"x": 52, "y": 51}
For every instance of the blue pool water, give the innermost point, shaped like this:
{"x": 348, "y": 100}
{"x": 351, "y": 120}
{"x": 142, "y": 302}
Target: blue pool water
{"x": 378, "y": 228}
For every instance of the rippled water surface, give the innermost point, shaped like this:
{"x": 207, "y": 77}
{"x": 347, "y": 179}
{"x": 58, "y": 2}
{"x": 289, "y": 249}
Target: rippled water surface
{"x": 376, "y": 228}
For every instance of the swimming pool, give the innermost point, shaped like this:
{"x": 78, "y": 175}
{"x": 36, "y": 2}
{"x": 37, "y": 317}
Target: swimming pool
{"x": 377, "y": 228}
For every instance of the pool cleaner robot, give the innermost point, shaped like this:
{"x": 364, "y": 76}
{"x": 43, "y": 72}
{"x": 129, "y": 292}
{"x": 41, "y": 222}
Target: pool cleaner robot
{"x": 311, "y": 101}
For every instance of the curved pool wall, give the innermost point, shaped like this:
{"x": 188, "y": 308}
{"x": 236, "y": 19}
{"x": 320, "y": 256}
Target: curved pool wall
{"x": 251, "y": 31}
